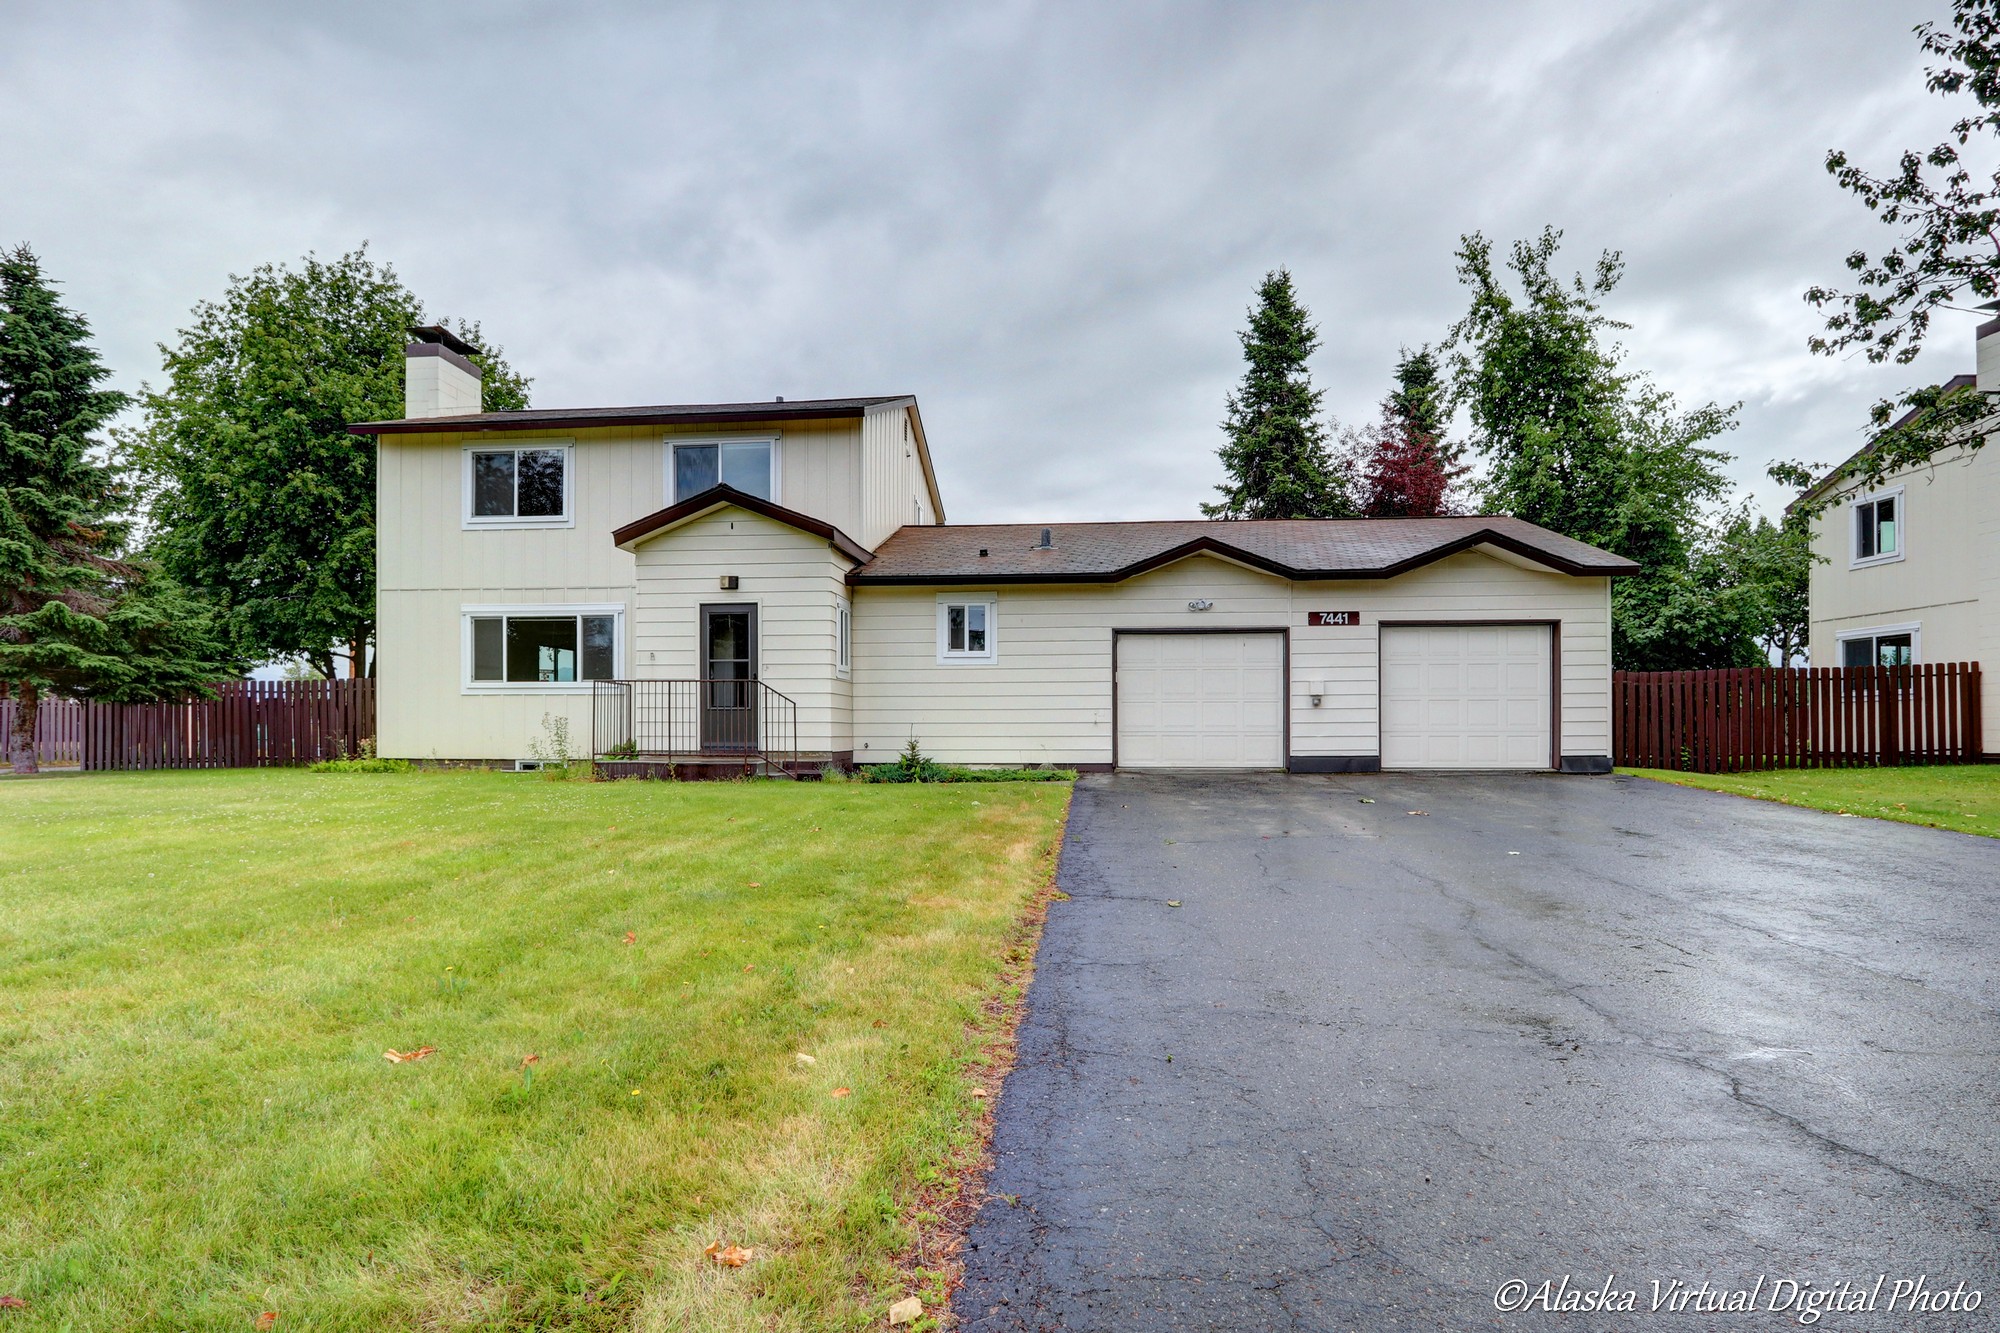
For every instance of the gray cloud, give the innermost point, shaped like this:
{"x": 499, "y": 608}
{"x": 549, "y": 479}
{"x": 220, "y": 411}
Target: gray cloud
{"x": 1045, "y": 220}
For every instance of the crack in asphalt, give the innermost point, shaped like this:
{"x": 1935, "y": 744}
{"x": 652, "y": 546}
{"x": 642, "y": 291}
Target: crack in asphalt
{"x": 1400, "y": 1072}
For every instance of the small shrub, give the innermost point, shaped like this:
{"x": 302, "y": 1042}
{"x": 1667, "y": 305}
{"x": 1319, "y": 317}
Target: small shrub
{"x": 366, "y": 764}
{"x": 623, "y": 750}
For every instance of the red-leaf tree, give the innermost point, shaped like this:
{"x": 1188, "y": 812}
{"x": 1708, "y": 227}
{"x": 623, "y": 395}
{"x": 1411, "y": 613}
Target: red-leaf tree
{"x": 1405, "y": 465}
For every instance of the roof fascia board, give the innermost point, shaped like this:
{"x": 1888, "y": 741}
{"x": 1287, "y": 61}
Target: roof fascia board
{"x": 579, "y": 420}
{"x": 722, "y": 497}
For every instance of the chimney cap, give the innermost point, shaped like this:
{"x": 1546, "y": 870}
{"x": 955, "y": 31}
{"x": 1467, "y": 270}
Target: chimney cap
{"x": 443, "y": 337}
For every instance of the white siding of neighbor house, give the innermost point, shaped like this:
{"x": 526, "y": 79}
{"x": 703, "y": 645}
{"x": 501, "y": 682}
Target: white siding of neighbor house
{"x": 1047, "y": 696}
{"x": 895, "y": 492}
{"x": 1947, "y": 583}
{"x": 428, "y": 564}
{"x": 796, "y": 582}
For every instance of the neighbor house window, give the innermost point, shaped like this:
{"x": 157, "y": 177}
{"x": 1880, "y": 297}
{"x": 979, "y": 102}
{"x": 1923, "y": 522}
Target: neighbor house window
{"x": 965, "y": 630}
{"x": 1878, "y": 528}
{"x": 747, "y": 465}
{"x": 843, "y": 642}
{"x": 1879, "y": 648}
{"x": 510, "y": 647}
{"x": 517, "y": 487}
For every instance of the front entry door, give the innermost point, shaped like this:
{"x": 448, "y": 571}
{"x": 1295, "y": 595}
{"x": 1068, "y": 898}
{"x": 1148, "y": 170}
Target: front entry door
{"x": 729, "y": 676}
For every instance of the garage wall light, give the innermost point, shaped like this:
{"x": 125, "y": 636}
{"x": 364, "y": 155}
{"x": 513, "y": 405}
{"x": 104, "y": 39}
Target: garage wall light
{"x": 1200, "y": 604}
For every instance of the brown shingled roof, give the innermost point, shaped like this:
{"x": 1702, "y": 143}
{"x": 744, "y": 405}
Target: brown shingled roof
{"x": 671, "y": 413}
{"x": 1328, "y": 548}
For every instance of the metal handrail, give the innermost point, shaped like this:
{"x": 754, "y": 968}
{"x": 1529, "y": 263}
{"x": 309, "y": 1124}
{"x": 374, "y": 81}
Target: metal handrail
{"x": 709, "y": 718}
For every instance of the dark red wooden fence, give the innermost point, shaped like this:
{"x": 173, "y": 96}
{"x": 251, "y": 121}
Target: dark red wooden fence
{"x": 1796, "y": 717}
{"x": 58, "y": 731}
{"x": 252, "y": 724}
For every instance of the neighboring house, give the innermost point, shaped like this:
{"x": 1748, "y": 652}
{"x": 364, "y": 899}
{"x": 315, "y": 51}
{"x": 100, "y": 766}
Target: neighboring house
{"x": 1909, "y": 570}
{"x": 800, "y": 548}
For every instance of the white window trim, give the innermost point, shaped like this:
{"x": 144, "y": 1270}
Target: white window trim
{"x": 992, "y": 604}
{"x": 468, "y": 613}
{"x": 773, "y": 438}
{"x": 1914, "y": 628}
{"x": 843, "y": 638}
{"x": 1854, "y": 558}
{"x": 567, "y": 519}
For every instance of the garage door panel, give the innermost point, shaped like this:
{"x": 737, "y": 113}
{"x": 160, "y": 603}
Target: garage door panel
{"x": 1465, "y": 696}
{"x": 1201, "y": 701}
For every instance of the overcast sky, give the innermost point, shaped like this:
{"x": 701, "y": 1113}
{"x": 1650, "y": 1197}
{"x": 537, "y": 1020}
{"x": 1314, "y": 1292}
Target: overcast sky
{"x": 1045, "y": 220}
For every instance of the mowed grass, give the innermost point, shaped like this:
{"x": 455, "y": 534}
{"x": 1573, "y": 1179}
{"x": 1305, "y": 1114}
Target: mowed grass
{"x": 1964, "y": 798}
{"x": 200, "y": 972}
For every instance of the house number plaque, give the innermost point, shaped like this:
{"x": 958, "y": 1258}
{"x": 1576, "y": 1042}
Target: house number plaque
{"x": 1333, "y": 617}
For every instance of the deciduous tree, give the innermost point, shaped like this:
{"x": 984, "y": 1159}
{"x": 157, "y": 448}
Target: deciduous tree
{"x": 262, "y": 499}
{"x": 1948, "y": 254}
{"x": 1404, "y": 465}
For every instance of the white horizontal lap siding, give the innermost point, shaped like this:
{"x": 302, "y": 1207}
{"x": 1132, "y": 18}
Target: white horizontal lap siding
{"x": 793, "y": 579}
{"x": 1468, "y": 587}
{"x": 1047, "y": 697}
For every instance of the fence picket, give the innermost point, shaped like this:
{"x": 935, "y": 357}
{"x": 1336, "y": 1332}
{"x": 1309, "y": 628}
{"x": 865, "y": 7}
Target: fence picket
{"x": 1792, "y": 717}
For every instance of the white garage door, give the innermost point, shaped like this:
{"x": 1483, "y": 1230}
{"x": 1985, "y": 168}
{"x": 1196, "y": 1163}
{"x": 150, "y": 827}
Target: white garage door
{"x": 1201, "y": 701}
{"x": 1465, "y": 696}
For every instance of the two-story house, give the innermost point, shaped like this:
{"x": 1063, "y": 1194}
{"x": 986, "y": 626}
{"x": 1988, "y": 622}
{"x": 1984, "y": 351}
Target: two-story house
{"x": 1909, "y": 570}
{"x": 696, "y": 579}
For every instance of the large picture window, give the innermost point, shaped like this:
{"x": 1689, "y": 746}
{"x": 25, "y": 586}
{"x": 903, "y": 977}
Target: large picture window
{"x": 749, "y": 466}
{"x": 540, "y": 647}
{"x": 517, "y": 487}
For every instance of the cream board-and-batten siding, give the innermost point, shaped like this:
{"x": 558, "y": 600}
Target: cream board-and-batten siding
{"x": 430, "y": 564}
{"x": 1047, "y": 696}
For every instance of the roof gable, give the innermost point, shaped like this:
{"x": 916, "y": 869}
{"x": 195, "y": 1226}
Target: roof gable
{"x": 662, "y": 521}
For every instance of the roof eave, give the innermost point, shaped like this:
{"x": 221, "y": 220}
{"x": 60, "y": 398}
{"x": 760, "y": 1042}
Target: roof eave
{"x": 665, "y": 520}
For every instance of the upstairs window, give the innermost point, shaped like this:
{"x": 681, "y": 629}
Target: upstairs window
{"x": 965, "y": 630}
{"x": 538, "y": 646}
{"x": 747, "y": 465}
{"x": 1878, "y": 528}
{"x": 521, "y": 487}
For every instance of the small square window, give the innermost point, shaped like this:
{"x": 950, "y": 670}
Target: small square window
{"x": 965, "y": 631}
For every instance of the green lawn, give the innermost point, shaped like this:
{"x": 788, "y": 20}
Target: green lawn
{"x": 200, "y": 972}
{"x": 1965, "y": 798}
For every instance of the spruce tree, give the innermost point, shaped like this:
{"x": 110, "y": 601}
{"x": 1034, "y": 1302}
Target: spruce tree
{"x": 1276, "y": 456}
{"x": 76, "y": 619}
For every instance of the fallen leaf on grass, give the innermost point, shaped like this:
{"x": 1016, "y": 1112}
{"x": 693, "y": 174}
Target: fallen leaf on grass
{"x": 906, "y": 1311}
{"x": 749, "y": 967}
{"x": 12, "y": 1303}
{"x": 631, "y": 937}
{"x": 527, "y": 1060}
{"x": 755, "y": 883}
{"x": 268, "y": 1319}
{"x": 395, "y": 1057}
{"x": 979, "y": 1094}
{"x": 729, "y": 1256}
{"x": 843, "y": 1092}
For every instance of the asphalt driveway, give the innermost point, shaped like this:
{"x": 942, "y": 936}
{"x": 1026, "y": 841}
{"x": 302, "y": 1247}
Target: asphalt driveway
{"x": 1378, "y": 1063}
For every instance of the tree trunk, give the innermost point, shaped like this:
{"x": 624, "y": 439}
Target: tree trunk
{"x": 21, "y": 744}
{"x": 357, "y": 654}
